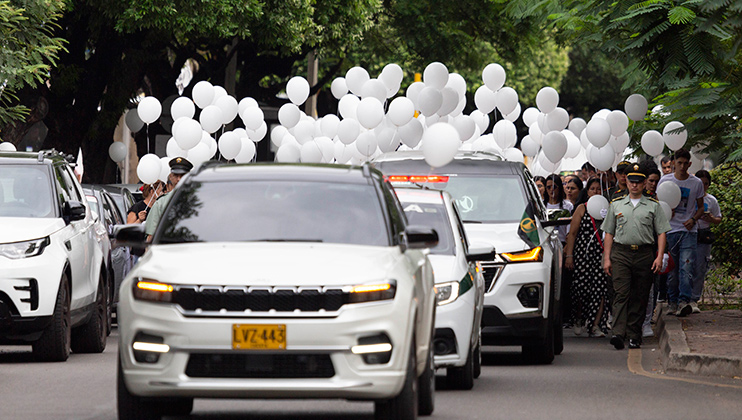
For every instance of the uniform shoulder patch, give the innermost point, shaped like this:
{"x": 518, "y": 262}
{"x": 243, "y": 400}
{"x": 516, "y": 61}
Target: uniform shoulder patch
{"x": 618, "y": 198}
{"x": 653, "y": 199}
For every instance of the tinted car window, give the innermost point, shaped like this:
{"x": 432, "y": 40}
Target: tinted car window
{"x": 487, "y": 199}
{"x": 25, "y": 191}
{"x": 432, "y": 215}
{"x": 275, "y": 211}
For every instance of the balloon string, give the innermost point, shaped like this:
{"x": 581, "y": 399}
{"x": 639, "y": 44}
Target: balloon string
{"x": 147, "y": 138}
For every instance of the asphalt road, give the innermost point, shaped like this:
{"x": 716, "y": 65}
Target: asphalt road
{"x": 590, "y": 380}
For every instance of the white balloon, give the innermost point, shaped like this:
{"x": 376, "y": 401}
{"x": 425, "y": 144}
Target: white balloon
{"x": 460, "y": 107}
{"x": 440, "y": 144}
{"x": 327, "y": 146}
{"x": 374, "y": 88}
{"x": 164, "y": 168}
{"x": 219, "y": 92}
{"x": 370, "y": 112}
{"x": 245, "y": 103}
{"x": 203, "y": 94}
{"x": 667, "y": 209}
{"x": 435, "y": 75}
{"x": 198, "y": 154}
{"x": 577, "y": 126}
{"x": 297, "y": 89}
{"x": 465, "y": 125}
{"x": 355, "y": 78}
{"x": 230, "y": 145}
{"x": 493, "y": 76}
{"x": 507, "y": 100}
{"x": 595, "y": 206}
{"x": 116, "y": 151}
{"x": 148, "y": 169}
{"x": 676, "y": 140}
{"x": 229, "y": 106}
{"x": 598, "y": 132}
{"x": 547, "y": 99}
{"x": 173, "y": 150}
{"x": 450, "y": 101}
{"x": 536, "y": 134}
{"x": 339, "y": 88}
{"x": 401, "y": 111}
{"x": 288, "y": 153}
{"x": 304, "y": 131}
{"x": 554, "y": 146}
{"x": 669, "y": 192}
{"x": 573, "y": 145}
{"x": 621, "y": 142}
{"x": 541, "y": 122}
{"x": 348, "y": 130}
{"x": 289, "y": 115}
{"x": 311, "y": 152}
{"x": 133, "y": 121}
{"x": 343, "y": 153}
{"x": 413, "y": 91}
{"x": 391, "y": 75}
{"x": 247, "y": 151}
{"x": 188, "y": 134}
{"x": 513, "y": 155}
{"x": 259, "y": 134}
{"x": 513, "y": 116}
{"x": 618, "y": 121}
{"x": 429, "y": 101}
{"x": 505, "y": 134}
{"x": 182, "y": 107}
{"x": 411, "y": 133}
{"x": 485, "y": 99}
{"x": 388, "y": 140}
{"x": 482, "y": 120}
{"x": 277, "y": 134}
{"x": 366, "y": 143}
{"x": 211, "y": 118}
{"x": 348, "y": 105}
{"x": 529, "y": 146}
{"x": 530, "y": 115}
{"x": 584, "y": 141}
{"x": 253, "y": 117}
{"x": 457, "y": 83}
{"x": 652, "y": 143}
{"x": 149, "y": 109}
{"x": 329, "y": 125}
{"x": 636, "y": 107}
{"x": 546, "y": 164}
{"x": 558, "y": 119}
{"x": 602, "y": 158}
{"x": 602, "y": 114}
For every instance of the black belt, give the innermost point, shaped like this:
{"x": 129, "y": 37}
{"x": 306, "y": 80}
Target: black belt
{"x": 634, "y": 247}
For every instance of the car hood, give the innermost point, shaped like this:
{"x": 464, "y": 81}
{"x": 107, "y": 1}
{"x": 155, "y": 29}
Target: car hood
{"x": 267, "y": 263}
{"x": 503, "y": 236}
{"x": 17, "y": 229}
{"x": 446, "y": 268}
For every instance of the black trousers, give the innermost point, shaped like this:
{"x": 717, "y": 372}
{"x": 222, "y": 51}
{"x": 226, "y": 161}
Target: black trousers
{"x": 632, "y": 280}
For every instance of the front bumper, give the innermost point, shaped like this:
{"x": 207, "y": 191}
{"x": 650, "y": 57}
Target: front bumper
{"x": 329, "y": 336}
{"x": 457, "y": 317}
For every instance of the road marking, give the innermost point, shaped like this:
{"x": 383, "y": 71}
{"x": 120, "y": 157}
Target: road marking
{"x": 634, "y": 363}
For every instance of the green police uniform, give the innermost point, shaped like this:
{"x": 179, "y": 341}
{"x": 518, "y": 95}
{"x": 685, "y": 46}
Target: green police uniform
{"x": 155, "y": 214}
{"x": 634, "y": 229}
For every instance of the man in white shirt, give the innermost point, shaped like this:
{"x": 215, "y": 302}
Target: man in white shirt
{"x": 682, "y": 238}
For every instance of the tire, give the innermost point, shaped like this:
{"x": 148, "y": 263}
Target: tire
{"x": 91, "y": 337}
{"x": 426, "y": 387}
{"x": 478, "y": 358}
{"x": 462, "y": 377}
{"x": 558, "y": 335}
{"x": 132, "y": 407}
{"x": 109, "y": 294}
{"x": 541, "y": 354}
{"x": 403, "y": 406}
{"x": 54, "y": 343}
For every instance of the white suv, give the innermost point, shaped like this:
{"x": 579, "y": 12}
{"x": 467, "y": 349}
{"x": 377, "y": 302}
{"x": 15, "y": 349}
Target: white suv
{"x": 458, "y": 281}
{"x": 278, "y": 281}
{"x": 499, "y": 204}
{"x": 54, "y": 284}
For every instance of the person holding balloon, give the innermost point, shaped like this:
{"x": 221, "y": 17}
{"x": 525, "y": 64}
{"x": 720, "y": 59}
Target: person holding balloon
{"x": 631, "y": 226}
{"x": 584, "y": 256}
{"x": 139, "y": 211}
{"x": 711, "y": 214}
{"x": 178, "y": 168}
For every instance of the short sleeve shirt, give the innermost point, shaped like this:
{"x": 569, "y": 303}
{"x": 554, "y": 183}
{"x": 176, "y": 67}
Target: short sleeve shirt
{"x": 691, "y": 189}
{"x": 711, "y": 205}
{"x": 632, "y": 225}
{"x": 155, "y": 214}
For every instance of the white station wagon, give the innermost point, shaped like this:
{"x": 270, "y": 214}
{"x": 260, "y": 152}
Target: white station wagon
{"x": 279, "y": 281}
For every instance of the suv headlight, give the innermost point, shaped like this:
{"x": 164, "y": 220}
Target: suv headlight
{"x": 446, "y": 293}
{"x": 531, "y": 255}
{"x": 153, "y": 291}
{"x": 25, "y": 249}
{"x": 372, "y": 292}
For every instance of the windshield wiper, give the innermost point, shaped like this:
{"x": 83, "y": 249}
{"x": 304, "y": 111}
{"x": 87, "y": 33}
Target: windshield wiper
{"x": 472, "y": 221}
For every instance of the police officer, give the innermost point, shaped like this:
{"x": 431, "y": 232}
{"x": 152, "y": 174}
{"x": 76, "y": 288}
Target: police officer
{"x": 630, "y": 228}
{"x": 620, "y": 190}
{"x": 179, "y": 166}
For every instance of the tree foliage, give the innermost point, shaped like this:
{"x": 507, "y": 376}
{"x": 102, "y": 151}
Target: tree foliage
{"x": 725, "y": 187}
{"x": 28, "y": 49}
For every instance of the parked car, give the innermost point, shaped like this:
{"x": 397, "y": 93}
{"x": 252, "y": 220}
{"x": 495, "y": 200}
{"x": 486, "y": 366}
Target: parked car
{"x": 279, "y": 281}
{"x": 122, "y": 196}
{"x": 499, "y": 204}
{"x": 458, "y": 281}
{"x": 120, "y": 261}
{"x": 54, "y": 285}
{"x": 133, "y": 189}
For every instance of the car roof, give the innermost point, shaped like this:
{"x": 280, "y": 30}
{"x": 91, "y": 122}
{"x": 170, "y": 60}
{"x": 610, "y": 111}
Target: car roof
{"x": 285, "y": 171}
{"x": 41, "y": 157}
{"x": 465, "y": 162}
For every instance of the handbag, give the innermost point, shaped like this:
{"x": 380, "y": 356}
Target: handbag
{"x": 705, "y": 236}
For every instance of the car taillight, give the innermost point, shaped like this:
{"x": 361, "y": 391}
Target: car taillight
{"x": 417, "y": 179}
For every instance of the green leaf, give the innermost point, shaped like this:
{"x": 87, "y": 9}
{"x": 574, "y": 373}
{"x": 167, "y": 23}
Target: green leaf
{"x": 680, "y": 15}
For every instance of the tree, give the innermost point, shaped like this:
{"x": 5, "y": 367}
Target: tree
{"x": 27, "y": 50}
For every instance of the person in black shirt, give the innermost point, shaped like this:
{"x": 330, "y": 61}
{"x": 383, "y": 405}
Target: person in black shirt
{"x": 139, "y": 211}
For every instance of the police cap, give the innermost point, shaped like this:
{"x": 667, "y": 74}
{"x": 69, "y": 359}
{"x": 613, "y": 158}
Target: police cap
{"x": 180, "y": 165}
{"x": 635, "y": 174}
{"x": 623, "y": 166}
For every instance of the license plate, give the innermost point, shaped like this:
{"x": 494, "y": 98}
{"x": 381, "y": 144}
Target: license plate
{"x": 259, "y": 336}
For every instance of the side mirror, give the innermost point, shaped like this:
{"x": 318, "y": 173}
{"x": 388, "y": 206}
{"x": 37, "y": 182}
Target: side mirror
{"x": 73, "y": 210}
{"x": 421, "y": 237}
{"x": 557, "y": 217}
{"x": 480, "y": 252}
{"x": 132, "y": 236}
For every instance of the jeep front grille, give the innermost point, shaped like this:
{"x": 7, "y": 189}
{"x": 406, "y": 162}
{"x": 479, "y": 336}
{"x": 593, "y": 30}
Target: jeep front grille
{"x": 213, "y": 299}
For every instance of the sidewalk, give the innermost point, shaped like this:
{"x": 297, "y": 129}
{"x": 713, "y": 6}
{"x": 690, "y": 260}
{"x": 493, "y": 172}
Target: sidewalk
{"x": 709, "y": 343}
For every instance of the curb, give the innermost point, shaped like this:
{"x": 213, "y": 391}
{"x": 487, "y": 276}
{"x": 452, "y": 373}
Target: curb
{"x": 676, "y": 355}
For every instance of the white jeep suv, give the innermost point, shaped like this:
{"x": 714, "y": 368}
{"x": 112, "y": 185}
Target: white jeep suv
{"x": 278, "y": 281}
{"x": 54, "y": 283}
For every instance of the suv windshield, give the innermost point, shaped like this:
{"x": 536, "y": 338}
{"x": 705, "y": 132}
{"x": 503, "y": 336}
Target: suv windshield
{"x": 432, "y": 215}
{"x": 281, "y": 211}
{"x": 487, "y": 199}
{"x": 25, "y": 191}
